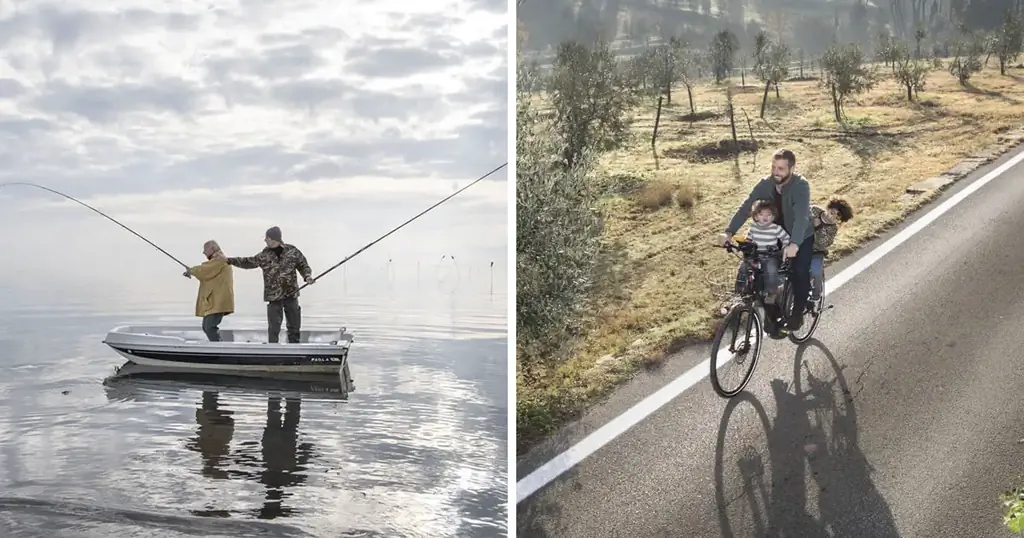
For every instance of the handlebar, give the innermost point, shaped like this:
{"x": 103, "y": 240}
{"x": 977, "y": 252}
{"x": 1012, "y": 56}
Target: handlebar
{"x": 749, "y": 249}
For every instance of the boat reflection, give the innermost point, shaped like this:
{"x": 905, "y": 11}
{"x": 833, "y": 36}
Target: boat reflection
{"x": 278, "y": 460}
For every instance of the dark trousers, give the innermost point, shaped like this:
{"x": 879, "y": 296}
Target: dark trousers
{"x": 800, "y": 275}
{"x": 291, "y": 312}
{"x": 211, "y": 326}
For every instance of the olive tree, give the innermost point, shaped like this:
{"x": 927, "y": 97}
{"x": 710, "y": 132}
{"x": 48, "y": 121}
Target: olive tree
{"x": 1009, "y": 39}
{"x": 654, "y": 71}
{"x": 722, "y": 54}
{"x": 590, "y": 97}
{"x": 557, "y": 234}
{"x": 887, "y": 49}
{"x": 967, "y": 51}
{"x": 845, "y": 74}
{"x": 911, "y": 73}
{"x": 771, "y": 64}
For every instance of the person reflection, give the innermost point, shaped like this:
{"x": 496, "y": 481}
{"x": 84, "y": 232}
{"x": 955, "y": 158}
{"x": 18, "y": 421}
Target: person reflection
{"x": 213, "y": 436}
{"x": 284, "y": 458}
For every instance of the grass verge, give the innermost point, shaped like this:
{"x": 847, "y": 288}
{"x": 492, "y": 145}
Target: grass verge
{"x": 664, "y": 209}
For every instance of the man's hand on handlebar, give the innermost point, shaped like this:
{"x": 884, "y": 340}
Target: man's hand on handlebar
{"x": 724, "y": 239}
{"x": 791, "y": 250}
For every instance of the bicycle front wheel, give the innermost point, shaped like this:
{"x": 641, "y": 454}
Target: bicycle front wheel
{"x": 737, "y": 341}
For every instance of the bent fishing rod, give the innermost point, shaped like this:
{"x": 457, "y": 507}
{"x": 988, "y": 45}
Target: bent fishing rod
{"x": 403, "y": 225}
{"x": 104, "y": 215}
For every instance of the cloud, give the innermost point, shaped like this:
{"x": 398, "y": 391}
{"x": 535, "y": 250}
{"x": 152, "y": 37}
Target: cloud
{"x": 237, "y": 113}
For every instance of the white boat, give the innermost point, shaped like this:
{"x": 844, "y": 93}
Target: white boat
{"x": 320, "y": 350}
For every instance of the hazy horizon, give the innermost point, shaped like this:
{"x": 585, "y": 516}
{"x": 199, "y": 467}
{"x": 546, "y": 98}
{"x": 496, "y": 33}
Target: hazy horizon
{"x": 194, "y": 122}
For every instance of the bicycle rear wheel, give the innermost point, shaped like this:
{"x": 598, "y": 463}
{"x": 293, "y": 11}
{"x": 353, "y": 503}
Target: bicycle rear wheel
{"x": 811, "y": 314}
{"x": 737, "y": 340}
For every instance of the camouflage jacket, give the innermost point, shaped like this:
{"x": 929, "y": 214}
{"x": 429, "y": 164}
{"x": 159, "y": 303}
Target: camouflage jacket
{"x": 279, "y": 279}
{"x": 824, "y": 234}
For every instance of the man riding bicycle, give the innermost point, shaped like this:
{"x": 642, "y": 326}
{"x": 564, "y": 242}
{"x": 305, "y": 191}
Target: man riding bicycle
{"x": 791, "y": 195}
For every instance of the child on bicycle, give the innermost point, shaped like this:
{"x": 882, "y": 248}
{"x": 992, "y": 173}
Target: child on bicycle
{"x": 765, "y": 233}
{"x": 826, "y": 223}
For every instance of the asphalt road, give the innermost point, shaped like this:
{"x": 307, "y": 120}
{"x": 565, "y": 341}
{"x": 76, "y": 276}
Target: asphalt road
{"x": 904, "y": 417}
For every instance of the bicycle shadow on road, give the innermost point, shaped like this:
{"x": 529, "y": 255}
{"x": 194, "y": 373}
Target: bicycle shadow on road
{"x": 810, "y": 478}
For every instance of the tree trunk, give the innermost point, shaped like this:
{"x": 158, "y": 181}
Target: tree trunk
{"x": 910, "y": 95}
{"x": 732, "y": 123}
{"x": 654, "y": 135}
{"x": 776, "y": 84}
{"x": 1002, "y": 65}
{"x": 689, "y": 93}
{"x": 835, "y": 105}
{"x": 764, "y": 97}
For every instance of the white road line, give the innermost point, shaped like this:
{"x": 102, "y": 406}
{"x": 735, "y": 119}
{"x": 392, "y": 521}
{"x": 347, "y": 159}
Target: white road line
{"x": 632, "y": 416}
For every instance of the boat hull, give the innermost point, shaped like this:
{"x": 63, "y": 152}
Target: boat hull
{"x": 323, "y": 351}
{"x": 309, "y": 364}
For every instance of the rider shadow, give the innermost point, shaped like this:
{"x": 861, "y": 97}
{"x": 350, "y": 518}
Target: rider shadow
{"x": 813, "y": 463}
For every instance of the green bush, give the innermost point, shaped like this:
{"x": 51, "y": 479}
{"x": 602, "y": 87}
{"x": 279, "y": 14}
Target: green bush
{"x": 1013, "y": 501}
{"x": 558, "y": 232}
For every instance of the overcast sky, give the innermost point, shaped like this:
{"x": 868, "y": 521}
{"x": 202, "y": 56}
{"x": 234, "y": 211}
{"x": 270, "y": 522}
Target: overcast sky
{"x": 186, "y": 121}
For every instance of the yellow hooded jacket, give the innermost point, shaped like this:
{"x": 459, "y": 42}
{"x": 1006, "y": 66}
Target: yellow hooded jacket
{"x": 216, "y": 287}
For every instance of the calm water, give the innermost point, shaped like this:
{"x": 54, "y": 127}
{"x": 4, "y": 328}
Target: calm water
{"x": 418, "y": 449}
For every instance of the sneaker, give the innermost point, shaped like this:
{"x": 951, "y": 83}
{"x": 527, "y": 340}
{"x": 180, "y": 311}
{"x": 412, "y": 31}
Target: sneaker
{"x": 795, "y": 322}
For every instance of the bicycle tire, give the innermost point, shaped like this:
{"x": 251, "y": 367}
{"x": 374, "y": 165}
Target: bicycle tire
{"x": 755, "y": 331}
{"x": 797, "y": 337}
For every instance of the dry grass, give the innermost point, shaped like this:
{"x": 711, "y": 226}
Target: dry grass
{"x": 656, "y": 195}
{"x": 674, "y": 282}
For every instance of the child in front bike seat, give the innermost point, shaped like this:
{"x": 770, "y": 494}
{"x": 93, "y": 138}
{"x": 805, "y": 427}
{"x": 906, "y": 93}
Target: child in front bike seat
{"x": 766, "y": 233}
{"x": 826, "y": 223}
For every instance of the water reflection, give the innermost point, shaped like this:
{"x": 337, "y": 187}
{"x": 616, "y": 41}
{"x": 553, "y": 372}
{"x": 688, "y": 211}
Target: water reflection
{"x": 278, "y": 460}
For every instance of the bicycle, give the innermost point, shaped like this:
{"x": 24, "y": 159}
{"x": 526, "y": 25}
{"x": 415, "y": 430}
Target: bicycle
{"x": 751, "y": 296}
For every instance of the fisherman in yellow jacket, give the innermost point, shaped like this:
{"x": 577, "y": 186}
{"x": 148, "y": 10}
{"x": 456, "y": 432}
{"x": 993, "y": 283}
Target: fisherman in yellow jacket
{"x": 216, "y": 289}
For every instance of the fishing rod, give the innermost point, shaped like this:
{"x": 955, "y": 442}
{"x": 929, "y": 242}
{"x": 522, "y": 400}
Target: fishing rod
{"x": 403, "y": 225}
{"x": 108, "y": 217}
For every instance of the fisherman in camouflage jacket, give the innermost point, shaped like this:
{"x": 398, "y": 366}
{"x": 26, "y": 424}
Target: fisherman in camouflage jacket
{"x": 279, "y": 262}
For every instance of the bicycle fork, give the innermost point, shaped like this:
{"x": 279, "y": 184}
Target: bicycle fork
{"x": 746, "y": 334}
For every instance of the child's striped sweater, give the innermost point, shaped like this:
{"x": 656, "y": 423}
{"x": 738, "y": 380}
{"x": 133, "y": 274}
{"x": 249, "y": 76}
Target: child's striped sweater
{"x": 765, "y": 236}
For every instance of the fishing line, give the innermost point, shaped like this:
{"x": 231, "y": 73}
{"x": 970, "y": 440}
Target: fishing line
{"x": 443, "y": 274}
{"x": 400, "y": 226}
{"x": 108, "y": 217}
